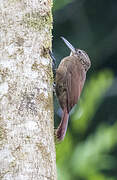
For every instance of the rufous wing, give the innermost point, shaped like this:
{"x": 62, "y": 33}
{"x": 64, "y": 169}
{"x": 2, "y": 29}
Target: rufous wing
{"x": 75, "y": 78}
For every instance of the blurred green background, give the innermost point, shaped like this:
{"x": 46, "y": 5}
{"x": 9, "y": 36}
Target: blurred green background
{"x": 89, "y": 150}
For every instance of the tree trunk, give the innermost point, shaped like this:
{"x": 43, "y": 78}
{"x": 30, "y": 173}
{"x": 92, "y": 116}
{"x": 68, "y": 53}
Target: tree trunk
{"x": 27, "y": 149}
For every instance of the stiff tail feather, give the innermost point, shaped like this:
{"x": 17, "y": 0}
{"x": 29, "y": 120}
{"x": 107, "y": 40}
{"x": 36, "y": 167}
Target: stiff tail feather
{"x": 62, "y": 128}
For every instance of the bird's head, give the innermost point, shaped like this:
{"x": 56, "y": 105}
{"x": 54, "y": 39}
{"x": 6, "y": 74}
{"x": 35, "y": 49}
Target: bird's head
{"x": 80, "y": 55}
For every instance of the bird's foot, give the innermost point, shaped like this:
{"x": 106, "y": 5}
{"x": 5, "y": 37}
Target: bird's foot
{"x": 54, "y": 88}
{"x": 53, "y": 63}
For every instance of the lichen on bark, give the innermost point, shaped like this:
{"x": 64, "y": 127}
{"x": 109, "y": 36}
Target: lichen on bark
{"x": 26, "y": 104}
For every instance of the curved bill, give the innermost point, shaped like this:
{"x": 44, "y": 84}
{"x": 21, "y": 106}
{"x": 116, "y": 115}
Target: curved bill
{"x": 68, "y": 44}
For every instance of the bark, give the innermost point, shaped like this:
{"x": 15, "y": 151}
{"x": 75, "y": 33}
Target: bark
{"x": 27, "y": 149}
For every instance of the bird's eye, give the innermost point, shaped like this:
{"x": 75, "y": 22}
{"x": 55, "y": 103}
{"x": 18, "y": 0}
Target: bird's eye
{"x": 79, "y": 52}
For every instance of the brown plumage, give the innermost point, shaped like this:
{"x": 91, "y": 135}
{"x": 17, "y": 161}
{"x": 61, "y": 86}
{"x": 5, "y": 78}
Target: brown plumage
{"x": 70, "y": 78}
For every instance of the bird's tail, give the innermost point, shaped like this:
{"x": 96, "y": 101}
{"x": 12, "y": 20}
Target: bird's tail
{"x": 62, "y": 128}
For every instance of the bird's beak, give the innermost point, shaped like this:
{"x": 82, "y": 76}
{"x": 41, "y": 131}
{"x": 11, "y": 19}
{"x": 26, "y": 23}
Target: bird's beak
{"x": 69, "y": 45}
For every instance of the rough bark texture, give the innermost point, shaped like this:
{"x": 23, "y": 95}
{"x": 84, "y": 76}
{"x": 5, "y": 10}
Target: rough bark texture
{"x": 27, "y": 148}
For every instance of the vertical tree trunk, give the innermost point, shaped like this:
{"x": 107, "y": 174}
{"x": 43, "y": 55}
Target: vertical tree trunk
{"x": 27, "y": 148}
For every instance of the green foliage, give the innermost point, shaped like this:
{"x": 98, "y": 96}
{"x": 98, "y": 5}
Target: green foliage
{"x": 88, "y": 151}
{"x": 88, "y": 158}
{"x": 92, "y": 155}
{"x": 58, "y": 4}
{"x": 93, "y": 95}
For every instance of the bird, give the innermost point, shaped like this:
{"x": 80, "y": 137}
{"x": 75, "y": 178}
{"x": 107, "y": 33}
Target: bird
{"x": 69, "y": 79}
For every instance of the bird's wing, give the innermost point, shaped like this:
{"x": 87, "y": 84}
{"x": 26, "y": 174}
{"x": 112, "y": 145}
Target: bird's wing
{"x": 75, "y": 78}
